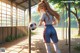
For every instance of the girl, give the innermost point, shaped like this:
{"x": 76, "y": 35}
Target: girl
{"x": 47, "y": 14}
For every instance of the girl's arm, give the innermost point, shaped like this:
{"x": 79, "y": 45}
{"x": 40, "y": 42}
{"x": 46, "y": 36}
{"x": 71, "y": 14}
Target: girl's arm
{"x": 54, "y": 22}
{"x": 41, "y": 19}
{"x": 40, "y": 22}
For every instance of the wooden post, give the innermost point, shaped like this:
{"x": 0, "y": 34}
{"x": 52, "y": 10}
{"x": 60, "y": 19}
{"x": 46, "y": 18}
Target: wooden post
{"x": 69, "y": 27}
{"x": 66, "y": 28}
{"x": 11, "y": 16}
{"x": 16, "y": 21}
{"x": 24, "y": 17}
{"x": 63, "y": 24}
{"x": 29, "y": 31}
{"x": 1, "y": 22}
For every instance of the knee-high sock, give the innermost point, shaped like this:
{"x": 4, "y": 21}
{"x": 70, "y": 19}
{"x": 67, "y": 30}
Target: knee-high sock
{"x": 57, "y": 50}
{"x": 48, "y": 47}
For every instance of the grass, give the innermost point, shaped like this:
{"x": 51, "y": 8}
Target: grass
{"x": 76, "y": 36}
{"x": 79, "y": 35}
{"x": 33, "y": 33}
{"x": 67, "y": 28}
{"x": 74, "y": 32}
{"x": 77, "y": 47}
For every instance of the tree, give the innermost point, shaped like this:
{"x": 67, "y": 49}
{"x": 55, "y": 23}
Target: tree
{"x": 74, "y": 4}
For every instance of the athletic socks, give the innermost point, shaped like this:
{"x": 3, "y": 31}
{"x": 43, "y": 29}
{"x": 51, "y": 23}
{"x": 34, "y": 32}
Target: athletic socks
{"x": 57, "y": 50}
{"x": 48, "y": 48}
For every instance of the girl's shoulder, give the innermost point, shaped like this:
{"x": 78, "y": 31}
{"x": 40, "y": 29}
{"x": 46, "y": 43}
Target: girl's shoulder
{"x": 43, "y": 14}
{"x": 49, "y": 13}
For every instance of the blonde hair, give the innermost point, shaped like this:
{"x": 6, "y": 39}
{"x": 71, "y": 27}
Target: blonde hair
{"x": 46, "y": 5}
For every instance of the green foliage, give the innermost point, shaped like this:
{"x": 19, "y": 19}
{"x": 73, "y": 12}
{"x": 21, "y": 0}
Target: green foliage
{"x": 8, "y": 39}
{"x": 77, "y": 47}
{"x": 61, "y": 4}
{"x": 35, "y": 17}
{"x": 12, "y": 37}
{"x": 19, "y": 35}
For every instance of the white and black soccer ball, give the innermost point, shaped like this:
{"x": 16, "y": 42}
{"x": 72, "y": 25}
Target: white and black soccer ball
{"x": 32, "y": 26}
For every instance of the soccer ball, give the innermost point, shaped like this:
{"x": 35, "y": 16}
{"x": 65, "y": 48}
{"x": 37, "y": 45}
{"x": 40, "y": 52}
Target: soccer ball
{"x": 32, "y": 26}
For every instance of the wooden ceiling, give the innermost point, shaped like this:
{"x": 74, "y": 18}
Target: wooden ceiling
{"x": 24, "y": 3}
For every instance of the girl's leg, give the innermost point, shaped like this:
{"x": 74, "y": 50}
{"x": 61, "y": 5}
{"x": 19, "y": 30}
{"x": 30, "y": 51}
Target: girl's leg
{"x": 48, "y": 47}
{"x": 56, "y": 48}
{"x": 55, "y": 41}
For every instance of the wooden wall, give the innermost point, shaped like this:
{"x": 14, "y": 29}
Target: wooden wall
{"x": 6, "y": 31}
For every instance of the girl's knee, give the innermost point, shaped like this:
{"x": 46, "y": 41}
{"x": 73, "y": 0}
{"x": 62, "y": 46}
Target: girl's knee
{"x": 47, "y": 43}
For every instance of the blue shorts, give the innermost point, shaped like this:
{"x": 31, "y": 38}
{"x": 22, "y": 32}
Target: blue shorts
{"x": 50, "y": 33}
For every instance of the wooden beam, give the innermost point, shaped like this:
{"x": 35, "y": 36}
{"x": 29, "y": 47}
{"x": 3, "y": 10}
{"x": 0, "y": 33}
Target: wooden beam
{"x": 33, "y": 1}
{"x": 9, "y": 0}
{"x": 17, "y": 3}
{"x": 31, "y": 6}
{"x": 22, "y": 2}
{"x": 20, "y": 5}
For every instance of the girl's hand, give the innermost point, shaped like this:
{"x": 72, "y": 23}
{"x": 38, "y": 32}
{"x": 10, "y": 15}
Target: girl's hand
{"x": 54, "y": 23}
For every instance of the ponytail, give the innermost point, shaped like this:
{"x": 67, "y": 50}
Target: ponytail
{"x": 51, "y": 11}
